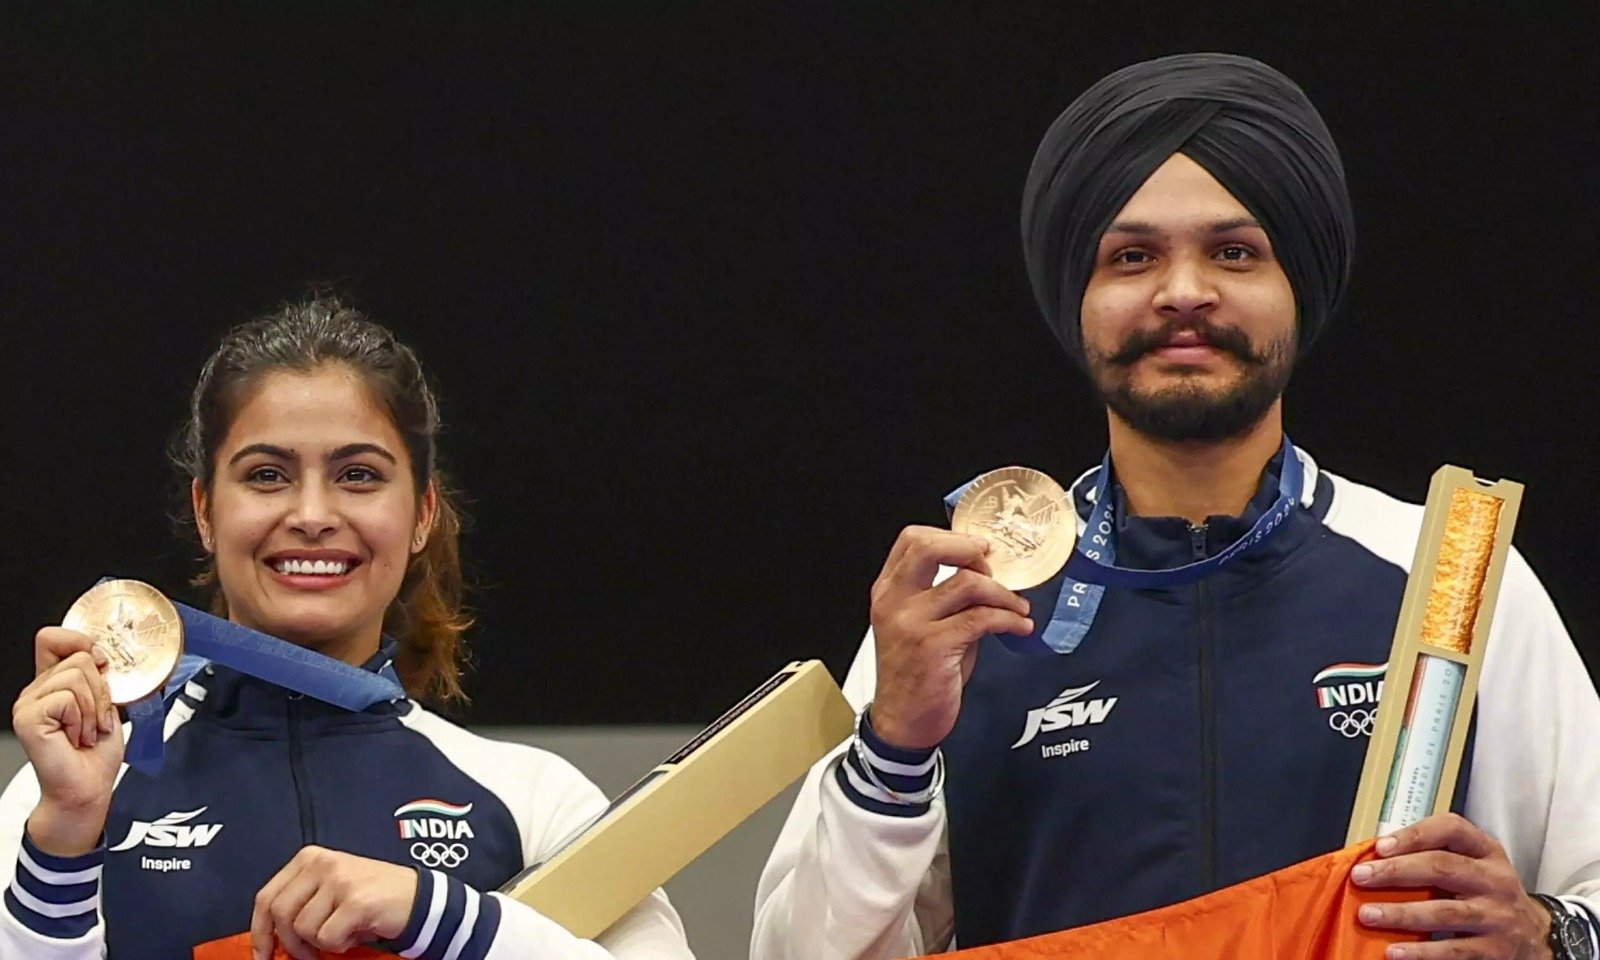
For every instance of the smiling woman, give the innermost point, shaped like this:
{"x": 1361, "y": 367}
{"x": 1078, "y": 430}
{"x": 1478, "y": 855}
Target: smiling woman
{"x": 317, "y": 496}
{"x": 312, "y": 438}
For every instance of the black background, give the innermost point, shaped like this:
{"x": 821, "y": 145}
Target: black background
{"x": 719, "y": 298}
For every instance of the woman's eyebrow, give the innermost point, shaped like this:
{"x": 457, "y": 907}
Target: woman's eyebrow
{"x": 270, "y": 449}
{"x": 354, "y": 449}
{"x": 340, "y": 453}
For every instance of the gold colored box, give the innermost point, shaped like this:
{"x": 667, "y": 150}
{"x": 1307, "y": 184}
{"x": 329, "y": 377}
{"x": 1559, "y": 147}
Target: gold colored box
{"x": 691, "y": 800}
{"x": 1414, "y": 757}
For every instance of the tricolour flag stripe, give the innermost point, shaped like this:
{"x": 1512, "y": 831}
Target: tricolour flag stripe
{"x": 1350, "y": 671}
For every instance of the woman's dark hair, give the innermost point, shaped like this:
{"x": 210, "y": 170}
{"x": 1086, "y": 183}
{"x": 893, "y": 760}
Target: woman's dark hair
{"x": 426, "y": 617}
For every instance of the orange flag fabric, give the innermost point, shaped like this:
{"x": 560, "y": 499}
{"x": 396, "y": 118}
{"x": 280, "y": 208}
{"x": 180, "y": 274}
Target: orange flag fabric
{"x": 1304, "y": 911}
{"x": 238, "y": 948}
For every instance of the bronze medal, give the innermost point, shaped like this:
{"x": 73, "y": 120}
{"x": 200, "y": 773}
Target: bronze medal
{"x": 139, "y": 631}
{"x": 1028, "y": 518}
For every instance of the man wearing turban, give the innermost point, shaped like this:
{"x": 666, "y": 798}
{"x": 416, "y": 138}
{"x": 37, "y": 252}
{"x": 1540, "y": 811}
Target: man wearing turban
{"x": 1045, "y": 760}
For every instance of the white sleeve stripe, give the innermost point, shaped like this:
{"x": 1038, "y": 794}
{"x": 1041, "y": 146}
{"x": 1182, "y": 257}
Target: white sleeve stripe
{"x": 430, "y": 926}
{"x": 892, "y": 766}
{"x": 861, "y": 786}
{"x": 55, "y": 911}
{"x": 468, "y": 921}
{"x": 57, "y": 878}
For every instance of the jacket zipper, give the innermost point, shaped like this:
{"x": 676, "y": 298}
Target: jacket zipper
{"x": 297, "y": 768}
{"x": 1208, "y": 725}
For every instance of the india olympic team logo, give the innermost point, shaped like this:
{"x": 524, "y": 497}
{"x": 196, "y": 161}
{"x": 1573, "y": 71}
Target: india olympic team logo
{"x": 1352, "y": 723}
{"x": 1348, "y": 695}
{"x": 439, "y": 831}
{"x": 436, "y": 854}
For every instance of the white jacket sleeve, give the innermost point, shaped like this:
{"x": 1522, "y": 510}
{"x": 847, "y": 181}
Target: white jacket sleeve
{"x": 851, "y": 876}
{"x": 453, "y": 920}
{"x": 1535, "y": 774}
{"x": 52, "y": 904}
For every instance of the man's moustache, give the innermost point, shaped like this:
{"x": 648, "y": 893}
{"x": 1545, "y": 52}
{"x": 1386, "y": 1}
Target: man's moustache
{"x": 1226, "y": 339}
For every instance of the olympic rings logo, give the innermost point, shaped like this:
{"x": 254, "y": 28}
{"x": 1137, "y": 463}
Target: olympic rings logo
{"x": 1355, "y": 723}
{"x": 447, "y": 855}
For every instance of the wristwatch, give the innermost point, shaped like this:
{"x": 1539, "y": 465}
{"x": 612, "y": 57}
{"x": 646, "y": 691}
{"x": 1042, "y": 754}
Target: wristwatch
{"x": 1569, "y": 936}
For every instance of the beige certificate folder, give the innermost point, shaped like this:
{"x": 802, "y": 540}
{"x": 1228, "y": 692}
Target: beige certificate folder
{"x": 690, "y": 801}
{"x": 1414, "y": 757}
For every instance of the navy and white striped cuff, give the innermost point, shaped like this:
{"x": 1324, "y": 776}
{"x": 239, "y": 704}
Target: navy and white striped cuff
{"x": 1591, "y": 923}
{"x": 449, "y": 920}
{"x": 906, "y": 772}
{"x": 56, "y": 897}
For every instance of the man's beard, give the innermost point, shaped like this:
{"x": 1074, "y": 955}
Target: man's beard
{"x": 1187, "y": 410}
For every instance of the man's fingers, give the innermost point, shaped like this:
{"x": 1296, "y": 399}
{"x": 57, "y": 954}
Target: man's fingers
{"x": 1428, "y": 916}
{"x": 1460, "y": 948}
{"x": 926, "y": 549}
{"x": 897, "y": 550}
{"x": 51, "y": 645}
{"x": 912, "y": 535}
{"x": 974, "y": 622}
{"x": 980, "y": 565}
{"x": 1446, "y": 831}
{"x": 967, "y": 588}
{"x": 1439, "y": 869}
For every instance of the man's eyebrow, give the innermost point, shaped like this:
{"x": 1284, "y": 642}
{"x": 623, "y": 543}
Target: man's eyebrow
{"x": 1133, "y": 226}
{"x": 1223, "y": 226}
{"x": 1145, "y": 229}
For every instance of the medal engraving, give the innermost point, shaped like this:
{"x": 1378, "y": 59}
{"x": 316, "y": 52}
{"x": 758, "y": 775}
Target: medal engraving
{"x": 139, "y": 631}
{"x": 1028, "y": 518}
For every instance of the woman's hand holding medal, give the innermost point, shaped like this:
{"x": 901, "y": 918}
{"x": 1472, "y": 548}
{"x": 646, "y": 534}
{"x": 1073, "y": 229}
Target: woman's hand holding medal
{"x": 68, "y": 726}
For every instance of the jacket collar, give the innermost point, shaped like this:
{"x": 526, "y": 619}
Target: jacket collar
{"x": 241, "y": 701}
{"x": 1152, "y": 543}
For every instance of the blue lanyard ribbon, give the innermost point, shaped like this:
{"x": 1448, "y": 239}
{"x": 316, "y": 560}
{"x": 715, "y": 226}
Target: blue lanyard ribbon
{"x": 1074, "y": 594}
{"x": 208, "y": 638}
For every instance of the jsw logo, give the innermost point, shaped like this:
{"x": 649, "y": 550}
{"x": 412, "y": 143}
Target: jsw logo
{"x": 172, "y": 830}
{"x": 1066, "y": 710}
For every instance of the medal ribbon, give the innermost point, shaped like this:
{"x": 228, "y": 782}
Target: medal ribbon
{"x": 208, "y": 638}
{"x": 1076, "y": 591}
